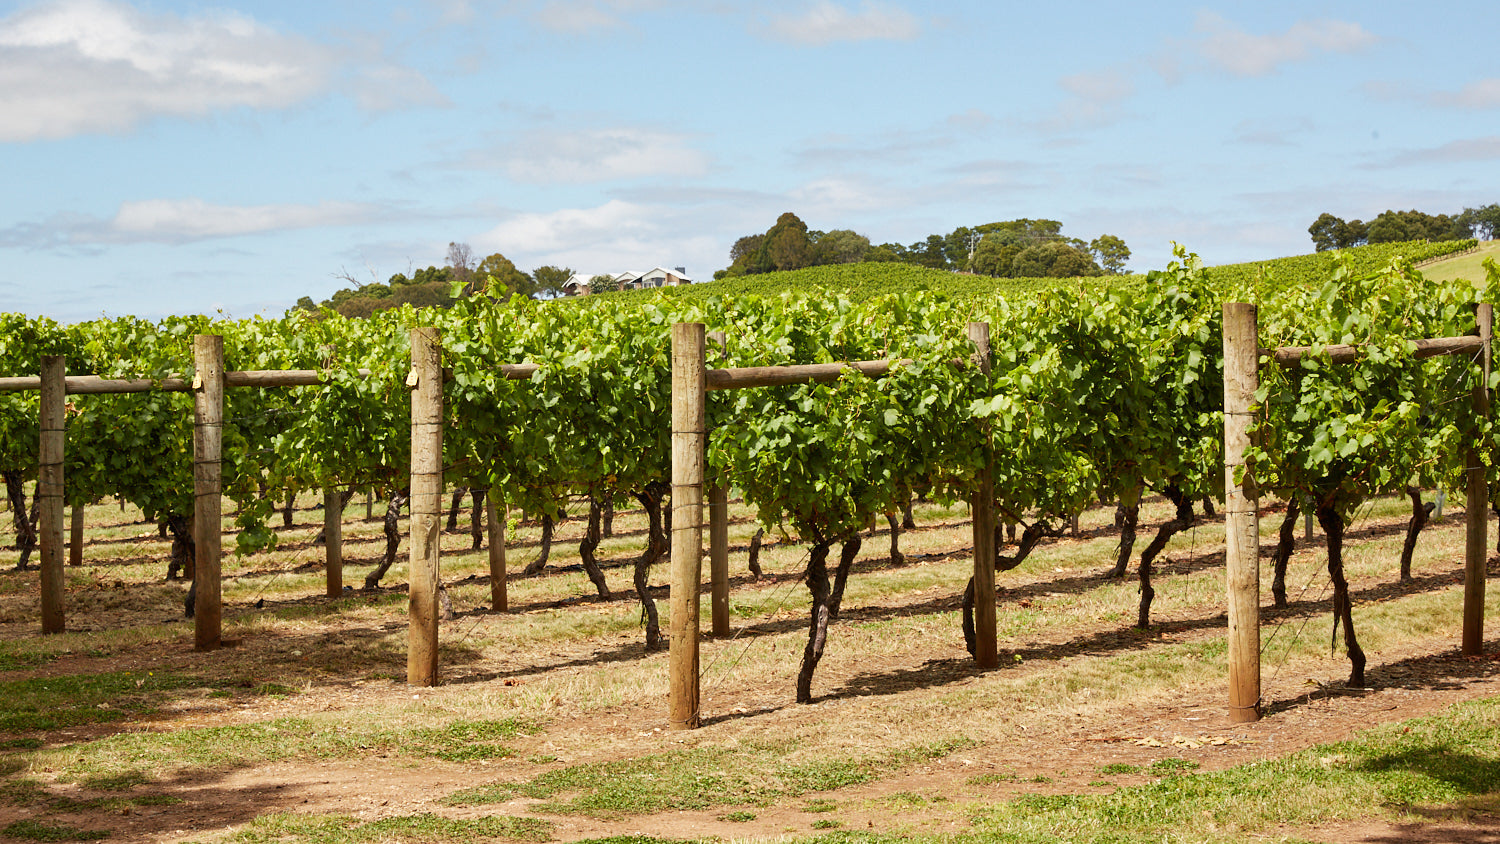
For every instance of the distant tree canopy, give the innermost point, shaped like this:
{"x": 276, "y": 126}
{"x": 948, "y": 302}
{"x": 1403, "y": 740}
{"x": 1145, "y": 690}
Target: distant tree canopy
{"x": 1330, "y": 232}
{"x": 494, "y": 276}
{"x": 989, "y": 249}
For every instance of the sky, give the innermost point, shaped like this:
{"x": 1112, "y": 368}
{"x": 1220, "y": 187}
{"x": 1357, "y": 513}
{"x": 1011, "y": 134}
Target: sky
{"x": 161, "y": 157}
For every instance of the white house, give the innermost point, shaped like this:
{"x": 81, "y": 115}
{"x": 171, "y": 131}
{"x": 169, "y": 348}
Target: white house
{"x": 578, "y": 284}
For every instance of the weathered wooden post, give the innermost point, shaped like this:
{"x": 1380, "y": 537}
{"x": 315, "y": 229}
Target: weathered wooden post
{"x": 718, "y": 542}
{"x": 688, "y": 398}
{"x": 75, "y": 535}
{"x": 208, "y": 443}
{"x": 986, "y": 648}
{"x": 333, "y": 542}
{"x": 495, "y": 513}
{"x": 1476, "y": 541}
{"x": 1241, "y": 519}
{"x": 426, "y": 381}
{"x": 53, "y": 419}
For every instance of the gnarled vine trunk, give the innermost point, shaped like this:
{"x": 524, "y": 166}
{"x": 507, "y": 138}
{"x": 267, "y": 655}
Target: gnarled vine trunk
{"x": 1180, "y": 522}
{"x": 1419, "y": 514}
{"x": 392, "y": 530}
{"x": 589, "y": 544}
{"x": 817, "y": 632}
{"x": 539, "y": 565}
{"x": 847, "y": 552}
{"x": 754, "y": 556}
{"x": 476, "y": 519}
{"x": 1286, "y": 543}
{"x": 656, "y": 546}
{"x": 1127, "y": 518}
{"x": 1343, "y": 606}
{"x": 454, "y": 504}
{"x": 26, "y": 538}
{"x": 897, "y": 558}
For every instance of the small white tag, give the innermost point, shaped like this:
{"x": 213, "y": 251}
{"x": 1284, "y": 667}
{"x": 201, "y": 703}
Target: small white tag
{"x": 411, "y": 378}
{"x": 197, "y": 382}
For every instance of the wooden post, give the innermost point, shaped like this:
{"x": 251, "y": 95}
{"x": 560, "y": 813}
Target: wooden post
{"x": 688, "y": 398}
{"x": 75, "y": 536}
{"x": 333, "y": 541}
{"x": 426, "y": 379}
{"x": 986, "y": 648}
{"x": 495, "y": 514}
{"x": 208, "y": 441}
{"x": 718, "y": 539}
{"x": 1476, "y": 541}
{"x": 54, "y": 401}
{"x": 1241, "y": 520}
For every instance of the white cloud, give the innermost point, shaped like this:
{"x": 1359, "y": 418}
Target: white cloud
{"x": 578, "y": 16}
{"x": 176, "y": 221}
{"x": 69, "y": 67}
{"x": 1453, "y": 152}
{"x": 827, "y": 21}
{"x": 1484, "y": 94}
{"x": 615, "y": 236}
{"x": 550, "y": 231}
{"x": 596, "y": 155}
{"x": 1226, "y": 45}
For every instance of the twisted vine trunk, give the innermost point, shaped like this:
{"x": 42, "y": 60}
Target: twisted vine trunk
{"x": 1030, "y": 537}
{"x": 847, "y": 552}
{"x": 1286, "y": 543}
{"x": 754, "y": 561}
{"x": 289, "y": 508}
{"x": 1343, "y": 607}
{"x": 392, "y": 529}
{"x": 817, "y": 634}
{"x": 1181, "y": 522}
{"x": 589, "y": 544}
{"x": 656, "y": 546}
{"x": 908, "y": 517}
{"x": 454, "y": 504}
{"x": 539, "y": 565}
{"x": 1127, "y": 518}
{"x": 609, "y": 514}
{"x": 897, "y": 558}
{"x": 183, "y": 549}
{"x": 1419, "y": 514}
{"x": 476, "y": 519}
{"x": 26, "y": 538}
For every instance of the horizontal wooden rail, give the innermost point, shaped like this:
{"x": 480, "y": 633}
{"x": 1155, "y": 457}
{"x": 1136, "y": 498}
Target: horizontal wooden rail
{"x": 1343, "y": 353}
{"x": 94, "y": 385}
{"x": 779, "y": 376}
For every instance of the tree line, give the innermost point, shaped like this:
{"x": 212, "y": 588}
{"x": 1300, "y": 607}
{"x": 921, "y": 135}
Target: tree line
{"x": 495, "y": 276}
{"x": 1330, "y": 232}
{"x": 1022, "y": 248}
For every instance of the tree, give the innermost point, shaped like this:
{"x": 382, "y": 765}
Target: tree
{"x": 1053, "y": 259}
{"x": 1111, "y": 253}
{"x": 1326, "y": 232}
{"x": 887, "y": 252}
{"x": 550, "y": 279}
{"x": 786, "y": 246}
{"x": 603, "y": 284}
{"x": 461, "y": 266}
{"x": 842, "y": 246}
{"x": 500, "y": 279}
{"x": 1482, "y": 223}
{"x": 931, "y": 252}
{"x": 994, "y": 256}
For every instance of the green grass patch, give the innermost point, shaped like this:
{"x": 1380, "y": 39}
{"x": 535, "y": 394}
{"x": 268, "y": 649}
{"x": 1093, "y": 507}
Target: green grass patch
{"x": 288, "y": 828}
{"x": 156, "y": 754}
{"x": 699, "y": 778}
{"x": 51, "y": 703}
{"x": 737, "y": 817}
{"x": 33, "y": 830}
{"x": 1437, "y": 761}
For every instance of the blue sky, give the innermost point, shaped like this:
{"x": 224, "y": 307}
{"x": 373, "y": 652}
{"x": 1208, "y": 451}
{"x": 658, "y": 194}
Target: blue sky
{"x": 174, "y": 157}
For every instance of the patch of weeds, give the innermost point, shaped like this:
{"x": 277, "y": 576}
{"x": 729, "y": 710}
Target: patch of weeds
{"x": 1117, "y": 768}
{"x": 541, "y": 759}
{"x": 24, "y": 791}
{"x": 11, "y": 765}
{"x": 819, "y": 806}
{"x": 11, "y": 660}
{"x": 273, "y": 690}
{"x": 737, "y": 817}
{"x": 1171, "y": 767}
{"x": 30, "y": 830}
{"x": 1101, "y": 784}
{"x": 698, "y": 779}
{"x": 469, "y": 741}
{"x": 827, "y": 823}
{"x": 908, "y": 798}
{"x": 993, "y": 778}
{"x": 1040, "y": 779}
{"x": 50, "y": 703}
{"x": 21, "y": 744}
{"x": 342, "y": 829}
{"x": 115, "y": 782}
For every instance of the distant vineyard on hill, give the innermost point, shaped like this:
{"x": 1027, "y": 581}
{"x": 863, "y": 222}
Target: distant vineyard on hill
{"x": 867, "y": 280}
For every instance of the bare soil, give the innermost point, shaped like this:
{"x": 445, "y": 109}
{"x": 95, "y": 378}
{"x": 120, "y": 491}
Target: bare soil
{"x": 1041, "y": 754}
